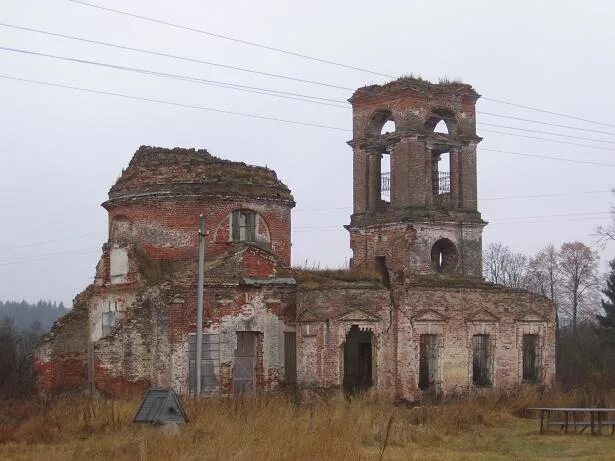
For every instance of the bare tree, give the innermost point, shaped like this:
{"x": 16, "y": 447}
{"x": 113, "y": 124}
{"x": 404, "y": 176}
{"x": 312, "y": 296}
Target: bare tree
{"x": 542, "y": 273}
{"x": 606, "y": 233}
{"x": 502, "y": 266}
{"x": 493, "y": 262}
{"x": 577, "y": 274}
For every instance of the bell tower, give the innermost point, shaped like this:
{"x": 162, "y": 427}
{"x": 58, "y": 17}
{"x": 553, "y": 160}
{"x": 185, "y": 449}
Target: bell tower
{"x": 414, "y": 178}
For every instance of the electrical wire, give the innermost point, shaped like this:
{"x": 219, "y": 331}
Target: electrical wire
{"x": 287, "y": 77}
{"x": 487, "y": 130}
{"x": 547, "y": 157}
{"x": 170, "y": 103}
{"x": 50, "y": 256}
{"x": 45, "y": 242}
{"x": 221, "y": 84}
{"x": 547, "y": 132}
{"x": 294, "y": 122}
{"x": 232, "y": 39}
{"x": 182, "y": 58}
{"x": 569, "y": 127}
{"x": 544, "y": 111}
{"x": 312, "y": 58}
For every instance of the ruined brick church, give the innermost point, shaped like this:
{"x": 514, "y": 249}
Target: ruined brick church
{"x": 412, "y": 316}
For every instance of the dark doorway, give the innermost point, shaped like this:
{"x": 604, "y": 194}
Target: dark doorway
{"x": 428, "y": 361}
{"x": 290, "y": 358}
{"x": 530, "y": 358}
{"x": 358, "y": 360}
{"x": 245, "y": 362}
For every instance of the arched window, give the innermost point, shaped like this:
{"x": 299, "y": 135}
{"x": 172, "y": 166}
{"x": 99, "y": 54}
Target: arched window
{"x": 382, "y": 122}
{"x": 441, "y": 127}
{"x": 444, "y": 256}
{"x": 388, "y": 127}
{"x": 441, "y": 121}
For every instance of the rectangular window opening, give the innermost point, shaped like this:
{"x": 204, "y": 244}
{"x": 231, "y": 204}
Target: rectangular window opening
{"x": 244, "y": 226}
{"x": 530, "y": 358}
{"x": 482, "y": 356}
{"x": 428, "y": 361}
{"x": 290, "y": 358}
{"x": 109, "y": 320}
{"x": 210, "y": 363}
{"x": 385, "y": 177}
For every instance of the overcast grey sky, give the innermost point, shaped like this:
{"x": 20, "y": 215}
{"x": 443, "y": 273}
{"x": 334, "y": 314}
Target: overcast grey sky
{"x": 62, "y": 149}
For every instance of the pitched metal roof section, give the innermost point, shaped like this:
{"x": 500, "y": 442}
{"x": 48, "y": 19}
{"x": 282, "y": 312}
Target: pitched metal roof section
{"x": 160, "y": 406}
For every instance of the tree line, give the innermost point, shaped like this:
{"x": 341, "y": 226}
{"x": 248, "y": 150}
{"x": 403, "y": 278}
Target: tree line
{"x": 584, "y": 302}
{"x": 21, "y": 327}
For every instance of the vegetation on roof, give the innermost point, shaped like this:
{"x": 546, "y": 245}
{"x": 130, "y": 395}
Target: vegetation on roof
{"x": 190, "y": 171}
{"x": 448, "y": 280}
{"x": 319, "y": 278}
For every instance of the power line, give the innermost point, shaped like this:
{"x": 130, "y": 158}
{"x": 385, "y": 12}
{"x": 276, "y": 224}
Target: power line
{"x": 312, "y": 58}
{"x": 182, "y": 58}
{"x": 557, "y": 194}
{"x": 268, "y": 74}
{"x": 45, "y": 242}
{"x": 221, "y": 84}
{"x": 546, "y": 157}
{"x": 548, "y": 132}
{"x": 548, "y": 112}
{"x": 547, "y": 139}
{"x": 500, "y": 220}
{"x": 545, "y": 123}
{"x": 50, "y": 256}
{"x": 257, "y": 90}
{"x": 232, "y": 39}
{"x": 583, "y": 213}
{"x": 296, "y": 122}
{"x": 170, "y": 103}
{"x": 548, "y": 221}
{"x": 281, "y": 94}
{"x": 481, "y": 199}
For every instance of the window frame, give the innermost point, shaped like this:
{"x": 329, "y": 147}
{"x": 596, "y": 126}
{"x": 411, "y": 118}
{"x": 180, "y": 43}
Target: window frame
{"x": 487, "y": 350}
{"x": 535, "y": 342}
{"x": 247, "y": 228}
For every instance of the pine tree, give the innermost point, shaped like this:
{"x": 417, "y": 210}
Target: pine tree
{"x": 606, "y": 322}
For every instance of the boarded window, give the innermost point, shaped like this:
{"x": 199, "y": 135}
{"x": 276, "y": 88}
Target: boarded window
{"x": 530, "y": 358}
{"x": 210, "y": 363}
{"x": 428, "y": 361}
{"x": 118, "y": 263}
{"x": 290, "y": 358}
{"x": 245, "y": 362}
{"x": 244, "y": 226}
{"x": 482, "y": 356}
{"x": 109, "y": 320}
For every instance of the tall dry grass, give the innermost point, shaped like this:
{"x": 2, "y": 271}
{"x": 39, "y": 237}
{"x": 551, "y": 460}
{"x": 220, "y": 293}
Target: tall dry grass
{"x": 261, "y": 427}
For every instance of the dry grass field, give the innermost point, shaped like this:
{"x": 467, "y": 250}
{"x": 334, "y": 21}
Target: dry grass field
{"x": 273, "y": 427}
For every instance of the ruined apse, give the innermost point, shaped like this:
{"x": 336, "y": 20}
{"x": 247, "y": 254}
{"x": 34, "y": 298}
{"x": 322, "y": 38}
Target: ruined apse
{"x": 412, "y": 317}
